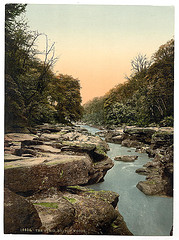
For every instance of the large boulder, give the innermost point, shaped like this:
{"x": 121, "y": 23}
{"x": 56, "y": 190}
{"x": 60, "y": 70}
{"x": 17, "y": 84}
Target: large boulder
{"x": 20, "y": 216}
{"x": 41, "y": 168}
{"x": 153, "y": 186}
{"x": 44, "y": 160}
{"x": 140, "y": 134}
{"x": 79, "y": 211}
{"x": 30, "y": 175}
{"x": 132, "y": 143}
{"x": 114, "y": 136}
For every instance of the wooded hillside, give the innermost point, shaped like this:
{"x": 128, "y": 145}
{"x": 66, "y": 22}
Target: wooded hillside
{"x": 33, "y": 93}
{"x": 146, "y": 98}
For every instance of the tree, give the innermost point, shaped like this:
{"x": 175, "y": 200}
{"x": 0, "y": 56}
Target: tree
{"x": 14, "y": 107}
{"x": 94, "y": 111}
{"x": 64, "y": 95}
{"x": 29, "y": 75}
{"x": 160, "y": 81}
{"x": 165, "y": 52}
{"x": 147, "y": 95}
{"x": 19, "y": 41}
{"x": 139, "y": 63}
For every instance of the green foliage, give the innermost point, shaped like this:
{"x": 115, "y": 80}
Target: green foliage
{"x": 65, "y": 97}
{"x": 33, "y": 94}
{"x": 167, "y": 122}
{"x": 94, "y": 111}
{"x": 14, "y": 105}
{"x": 145, "y": 98}
{"x": 71, "y": 200}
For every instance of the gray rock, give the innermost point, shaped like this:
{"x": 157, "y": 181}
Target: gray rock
{"x": 20, "y": 216}
{"x": 126, "y": 158}
{"x": 142, "y": 171}
{"x": 79, "y": 211}
{"x": 153, "y": 186}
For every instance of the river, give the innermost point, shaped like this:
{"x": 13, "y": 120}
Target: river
{"x": 144, "y": 215}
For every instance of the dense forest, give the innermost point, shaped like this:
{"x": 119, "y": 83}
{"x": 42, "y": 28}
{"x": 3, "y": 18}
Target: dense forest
{"x": 145, "y": 99}
{"x": 33, "y": 93}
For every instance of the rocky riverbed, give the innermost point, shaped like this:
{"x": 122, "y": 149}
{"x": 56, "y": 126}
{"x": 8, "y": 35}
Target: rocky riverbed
{"x": 42, "y": 175}
{"x": 158, "y": 144}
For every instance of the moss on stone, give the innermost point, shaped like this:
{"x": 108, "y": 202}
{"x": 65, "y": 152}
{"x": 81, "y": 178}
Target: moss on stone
{"x": 113, "y": 225}
{"x": 151, "y": 182}
{"x": 77, "y": 187}
{"x": 47, "y": 204}
{"x": 61, "y": 173}
{"x": 8, "y": 166}
{"x": 100, "y": 150}
{"x": 71, "y": 200}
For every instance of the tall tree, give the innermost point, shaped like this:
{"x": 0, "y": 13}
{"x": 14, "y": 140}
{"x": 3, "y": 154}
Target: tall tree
{"x": 160, "y": 80}
{"x": 65, "y": 95}
{"x": 28, "y": 75}
{"x": 147, "y": 95}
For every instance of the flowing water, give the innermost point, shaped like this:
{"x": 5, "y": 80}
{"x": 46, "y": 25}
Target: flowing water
{"x": 144, "y": 215}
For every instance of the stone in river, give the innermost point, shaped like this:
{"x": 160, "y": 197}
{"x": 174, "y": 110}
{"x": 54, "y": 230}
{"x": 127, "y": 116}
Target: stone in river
{"x": 127, "y": 158}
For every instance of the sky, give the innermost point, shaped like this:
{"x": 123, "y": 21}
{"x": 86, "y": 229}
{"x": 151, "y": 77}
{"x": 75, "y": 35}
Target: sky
{"x": 96, "y": 43}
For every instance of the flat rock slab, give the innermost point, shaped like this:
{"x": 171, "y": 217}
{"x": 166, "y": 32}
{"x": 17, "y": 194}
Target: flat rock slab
{"x": 18, "y": 137}
{"x": 46, "y": 148}
{"x": 49, "y": 160}
{"x": 127, "y": 158}
{"x": 33, "y": 174}
{"x": 54, "y": 157}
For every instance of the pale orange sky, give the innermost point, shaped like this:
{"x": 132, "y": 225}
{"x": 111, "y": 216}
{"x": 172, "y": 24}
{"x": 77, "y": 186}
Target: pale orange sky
{"x": 95, "y": 43}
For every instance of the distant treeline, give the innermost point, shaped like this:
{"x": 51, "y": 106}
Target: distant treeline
{"x": 33, "y": 93}
{"x": 146, "y": 98}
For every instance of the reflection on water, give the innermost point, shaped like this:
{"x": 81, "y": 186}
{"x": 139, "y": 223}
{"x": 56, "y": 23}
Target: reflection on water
{"x": 144, "y": 215}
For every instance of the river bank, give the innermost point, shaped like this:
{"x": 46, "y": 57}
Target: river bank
{"x": 158, "y": 144}
{"x": 42, "y": 175}
{"x": 145, "y": 215}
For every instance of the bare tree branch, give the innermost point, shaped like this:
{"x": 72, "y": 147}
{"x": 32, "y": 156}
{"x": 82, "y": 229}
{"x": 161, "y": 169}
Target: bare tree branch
{"x": 140, "y": 62}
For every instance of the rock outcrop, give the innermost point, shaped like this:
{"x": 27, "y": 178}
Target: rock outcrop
{"x": 42, "y": 175}
{"x": 79, "y": 210}
{"x": 66, "y": 210}
{"x": 158, "y": 144}
{"x": 159, "y": 180}
{"x": 68, "y": 156}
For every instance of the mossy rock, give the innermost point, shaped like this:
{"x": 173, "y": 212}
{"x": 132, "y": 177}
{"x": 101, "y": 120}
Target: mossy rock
{"x": 100, "y": 150}
{"x": 77, "y": 146}
{"x": 71, "y": 200}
